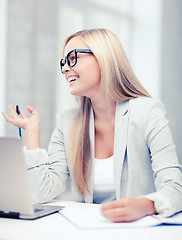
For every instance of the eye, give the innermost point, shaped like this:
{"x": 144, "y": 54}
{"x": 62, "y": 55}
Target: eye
{"x": 72, "y": 58}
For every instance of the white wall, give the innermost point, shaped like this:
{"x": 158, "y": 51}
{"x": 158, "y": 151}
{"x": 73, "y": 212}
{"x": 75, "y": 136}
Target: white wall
{"x": 3, "y": 32}
{"x": 146, "y": 43}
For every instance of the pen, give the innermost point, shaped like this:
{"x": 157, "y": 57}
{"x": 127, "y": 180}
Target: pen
{"x": 19, "y": 129}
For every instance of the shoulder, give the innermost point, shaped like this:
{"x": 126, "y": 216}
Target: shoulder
{"x": 65, "y": 118}
{"x": 69, "y": 114}
{"x": 144, "y": 111}
{"x": 145, "y": 105}
{"x": 144, "y": 101}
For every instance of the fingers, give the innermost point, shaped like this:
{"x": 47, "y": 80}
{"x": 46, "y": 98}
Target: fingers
{"x": 31, "y": 109}
{"x": 23, "y": 120}
{"x": 22, "y": 113}
{"x": 9, "y": 119}
{"x": 13, "y": 112}
{"x": 15, "y": 119}
{"x": 6, "y": 117}
{"x": 119, "y": 216}
{"x": 115, "y": 212}
{"x": 34, "y": 113}
{"x": 114, "y": 204}
{"x": 115, "y": 215}
{"x": 124, "y": 210}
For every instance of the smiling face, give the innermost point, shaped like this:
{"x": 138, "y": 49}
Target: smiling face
{"x": 84, "y": 77}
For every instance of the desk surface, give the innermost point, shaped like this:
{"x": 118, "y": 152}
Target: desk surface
{"x": 57, "y": 227}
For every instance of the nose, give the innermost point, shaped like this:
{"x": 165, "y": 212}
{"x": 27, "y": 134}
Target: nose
{"x": 66, "y": 68}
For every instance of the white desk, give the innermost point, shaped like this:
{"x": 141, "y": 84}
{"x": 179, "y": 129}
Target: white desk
{"x": 55, "y": 227}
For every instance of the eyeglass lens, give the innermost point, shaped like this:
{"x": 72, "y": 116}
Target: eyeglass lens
{"x": 71, "y": 58}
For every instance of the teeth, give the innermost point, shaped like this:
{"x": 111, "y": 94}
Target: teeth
{"x": 72, "y": 79}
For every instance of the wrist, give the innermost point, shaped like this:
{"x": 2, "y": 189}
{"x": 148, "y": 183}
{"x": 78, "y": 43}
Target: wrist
{"x": 148, "y": 206}
{"x": 32, "y": 134}
{"x": 30, "y": 128}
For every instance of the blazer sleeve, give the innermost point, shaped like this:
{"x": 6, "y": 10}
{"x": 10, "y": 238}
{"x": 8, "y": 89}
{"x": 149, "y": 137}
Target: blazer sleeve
{"x": 165, "y": 164}
{"x": 48, "y": 171}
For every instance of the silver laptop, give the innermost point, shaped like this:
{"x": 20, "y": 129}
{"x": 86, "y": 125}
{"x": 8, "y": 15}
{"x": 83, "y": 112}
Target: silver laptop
{"x": 15, "y": 198}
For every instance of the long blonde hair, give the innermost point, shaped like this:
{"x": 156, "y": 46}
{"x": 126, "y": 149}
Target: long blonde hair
{"x": 118, "y": 83}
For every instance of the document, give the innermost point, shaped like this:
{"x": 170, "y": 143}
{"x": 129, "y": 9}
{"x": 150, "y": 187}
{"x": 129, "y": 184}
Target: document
{"x": 89, "y": 217}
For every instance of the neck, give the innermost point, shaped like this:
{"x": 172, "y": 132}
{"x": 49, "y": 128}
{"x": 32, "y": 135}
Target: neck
{"x": 103, "y": 111}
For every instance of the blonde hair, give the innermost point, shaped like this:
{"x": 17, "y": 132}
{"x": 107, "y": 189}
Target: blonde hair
{"x": 118, "y": 83}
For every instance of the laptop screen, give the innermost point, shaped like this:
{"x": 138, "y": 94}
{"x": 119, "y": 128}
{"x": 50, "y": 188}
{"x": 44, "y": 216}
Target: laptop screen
{"x": 14, "y": 190}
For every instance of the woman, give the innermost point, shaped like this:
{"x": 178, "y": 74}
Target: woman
{"x": 116, "y": 146}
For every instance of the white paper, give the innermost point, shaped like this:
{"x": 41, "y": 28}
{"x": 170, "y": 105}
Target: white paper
{"x": 89, "y": 217}
{"x": 176, "y": 219}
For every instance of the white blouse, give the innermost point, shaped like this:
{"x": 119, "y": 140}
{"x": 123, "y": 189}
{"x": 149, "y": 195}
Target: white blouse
{"x": 103, "y": 185}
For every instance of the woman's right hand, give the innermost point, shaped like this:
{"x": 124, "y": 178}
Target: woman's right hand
{"x": 31, "y": 124}
{"x": 24, "y": 121}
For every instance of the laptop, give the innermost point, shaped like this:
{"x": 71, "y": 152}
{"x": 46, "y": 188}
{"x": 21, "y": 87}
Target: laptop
{"x": 15, "y": 198}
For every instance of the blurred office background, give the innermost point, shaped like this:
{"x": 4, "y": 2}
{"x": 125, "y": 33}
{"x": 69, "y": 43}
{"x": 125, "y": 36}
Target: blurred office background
{"x": 30, "y": 35}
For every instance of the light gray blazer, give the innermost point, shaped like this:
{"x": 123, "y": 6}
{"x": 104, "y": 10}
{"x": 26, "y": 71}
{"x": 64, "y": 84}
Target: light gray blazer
{"x": 145, "y": 160}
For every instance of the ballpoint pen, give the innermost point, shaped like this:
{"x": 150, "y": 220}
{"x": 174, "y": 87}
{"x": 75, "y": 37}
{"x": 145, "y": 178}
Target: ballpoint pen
{"x": 19, "y": 129}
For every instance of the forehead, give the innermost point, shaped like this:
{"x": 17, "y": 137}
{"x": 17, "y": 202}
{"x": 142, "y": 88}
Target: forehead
{"x": 75, "y": 43}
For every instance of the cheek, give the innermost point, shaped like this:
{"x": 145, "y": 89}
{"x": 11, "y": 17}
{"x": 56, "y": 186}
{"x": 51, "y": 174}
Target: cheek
{"x": 92, "y": 77}
{"x": 97, "y": 74}
{"x": 89, "y": 70}
{"x": 95, "y": 71}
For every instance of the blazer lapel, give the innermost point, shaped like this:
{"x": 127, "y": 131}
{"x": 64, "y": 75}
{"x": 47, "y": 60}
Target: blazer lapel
{"x": 120, "y": 141}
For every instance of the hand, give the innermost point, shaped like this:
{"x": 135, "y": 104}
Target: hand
{"x": 24, "y": 121}
{"x": 127, "y": 210}
{"x": 31, "y": 125}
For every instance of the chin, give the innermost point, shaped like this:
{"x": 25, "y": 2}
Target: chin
{"x": 76, "y": 93}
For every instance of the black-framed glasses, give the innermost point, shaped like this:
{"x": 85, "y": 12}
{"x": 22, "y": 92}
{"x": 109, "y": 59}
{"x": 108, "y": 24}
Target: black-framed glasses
{"x": 71, "y": 57}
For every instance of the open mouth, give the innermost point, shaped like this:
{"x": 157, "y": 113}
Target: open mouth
{"x": 72, "y": 79}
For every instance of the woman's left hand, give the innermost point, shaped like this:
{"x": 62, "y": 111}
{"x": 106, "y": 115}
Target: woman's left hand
{"x": 128, "y": 209}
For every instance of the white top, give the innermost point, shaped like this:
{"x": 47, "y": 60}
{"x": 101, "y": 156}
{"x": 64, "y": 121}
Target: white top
{"x": 103, "y": 186}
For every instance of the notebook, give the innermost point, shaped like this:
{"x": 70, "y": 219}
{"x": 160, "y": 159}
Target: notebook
{"x": 15, "y": 198}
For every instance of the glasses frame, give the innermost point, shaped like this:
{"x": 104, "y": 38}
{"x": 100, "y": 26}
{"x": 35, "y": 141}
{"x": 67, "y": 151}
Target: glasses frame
{"x": 65, "y": 60}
